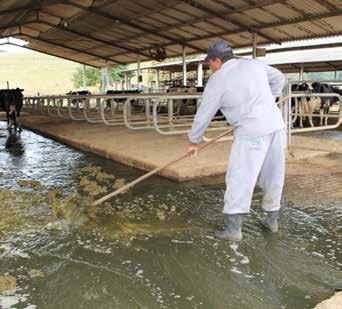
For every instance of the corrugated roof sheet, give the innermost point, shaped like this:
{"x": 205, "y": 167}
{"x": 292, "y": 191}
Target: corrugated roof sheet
{"x": 111, "y": 32}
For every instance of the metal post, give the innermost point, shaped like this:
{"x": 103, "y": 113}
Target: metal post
{"x": 7, "y": 84}
{"x": 105, "y": 79}
{"x": 301, "y": 73}
{"x": 126, "y": 81}
{"x": 254, "y": 41}
{"x": 84, "y": 76}
{"x": 289, "y": 114}
{"x": 200, "y": 75}
{"x": 138, "y": 72}
{"x": 184, "y": 65}
{"x": 158, "y": 80}
{"x": 335, "y": 75}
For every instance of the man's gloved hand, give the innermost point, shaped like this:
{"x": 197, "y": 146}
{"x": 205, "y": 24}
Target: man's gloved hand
{"x": 193, "y": 150}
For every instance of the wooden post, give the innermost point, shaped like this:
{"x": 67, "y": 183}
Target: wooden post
{"x": 254, "y": 38}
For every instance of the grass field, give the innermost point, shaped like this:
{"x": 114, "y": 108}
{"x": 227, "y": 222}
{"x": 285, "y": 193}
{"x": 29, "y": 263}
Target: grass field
{"x": 36, "y": 72}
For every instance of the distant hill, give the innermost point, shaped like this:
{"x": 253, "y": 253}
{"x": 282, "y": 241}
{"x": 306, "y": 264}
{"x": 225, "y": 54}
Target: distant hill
{"x": 36, "y": 72}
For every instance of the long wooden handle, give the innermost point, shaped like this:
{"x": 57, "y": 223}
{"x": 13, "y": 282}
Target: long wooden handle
{"x": 156, "y": 170}
{"x": 282, "y": 100}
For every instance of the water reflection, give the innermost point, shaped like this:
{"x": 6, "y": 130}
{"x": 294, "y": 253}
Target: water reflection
{"x": 14, "y": 144}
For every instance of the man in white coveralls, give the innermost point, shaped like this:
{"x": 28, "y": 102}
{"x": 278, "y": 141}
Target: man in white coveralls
{"x": 245, "y": 90}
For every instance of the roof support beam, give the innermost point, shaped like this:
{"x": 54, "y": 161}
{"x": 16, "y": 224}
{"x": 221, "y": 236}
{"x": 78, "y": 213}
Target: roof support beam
{"x": 337, "y": 12}
{"x": 17, "y": 25}
{"x": 223, "y": 16}
{"x": 207, "y": 17}
{"x": 45, "y": 52}
{"x": 8, "y": 37}
{"x": 296, "y": 9}
{"x": 31, "y": 7}
{"x": 258, "y": 4}
{"x": 266, "y": 26}
{"x": 327, "y": 5}
{"x": 287, "y": 49}
{"x": 90, "y": 37}
{"x": 331, "y": 65}
{"x": 70, "y": 48}
{"x": 160, "y": 12}
{"x": 133, "y": 25}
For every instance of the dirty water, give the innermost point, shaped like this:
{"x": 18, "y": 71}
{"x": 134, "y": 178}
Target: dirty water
{"x": 152, "y": 247}
{"x": 335, "y": 134}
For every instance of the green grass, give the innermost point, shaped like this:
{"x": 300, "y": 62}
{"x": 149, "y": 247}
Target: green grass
{"x": 36, "y": 72}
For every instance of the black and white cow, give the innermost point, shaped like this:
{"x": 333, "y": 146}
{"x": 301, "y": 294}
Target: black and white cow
{"x": 301, "y": 105}
{"x": 308, "y": 105}
{"x": 326, "y": 102}
{"x": 11, "y": 101}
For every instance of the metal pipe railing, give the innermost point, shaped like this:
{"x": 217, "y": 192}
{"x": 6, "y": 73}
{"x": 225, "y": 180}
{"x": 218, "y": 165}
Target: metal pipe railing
{"x": 299, "y": 111}
{"x": 158, "y": 111}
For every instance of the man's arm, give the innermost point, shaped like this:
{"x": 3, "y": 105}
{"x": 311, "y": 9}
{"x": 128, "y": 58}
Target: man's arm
{"x": 211, "y": 102}
{"x": 276, "y": 80}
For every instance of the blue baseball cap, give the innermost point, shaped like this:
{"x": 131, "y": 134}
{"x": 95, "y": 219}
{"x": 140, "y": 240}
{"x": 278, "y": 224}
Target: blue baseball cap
{"x": 217, "y": 49}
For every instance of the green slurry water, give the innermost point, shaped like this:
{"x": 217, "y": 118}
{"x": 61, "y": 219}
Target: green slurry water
{"x": 152, "y": 247}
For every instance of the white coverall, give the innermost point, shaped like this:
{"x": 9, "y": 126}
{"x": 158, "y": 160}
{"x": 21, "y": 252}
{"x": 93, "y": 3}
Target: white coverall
{"x": 245, "y": 90}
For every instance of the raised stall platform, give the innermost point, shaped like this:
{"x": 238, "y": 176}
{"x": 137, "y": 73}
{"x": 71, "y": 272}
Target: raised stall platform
{"x": 146, "y": 149}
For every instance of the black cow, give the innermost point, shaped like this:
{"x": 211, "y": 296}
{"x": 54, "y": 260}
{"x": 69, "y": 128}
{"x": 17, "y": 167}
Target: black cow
{"x": 11, "y": 101}
{"x": 81, "y": 92}
{"x": 123, "y": 100}
{"x": 78, "y": 102}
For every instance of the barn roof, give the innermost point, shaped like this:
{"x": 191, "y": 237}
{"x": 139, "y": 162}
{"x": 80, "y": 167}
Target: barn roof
{"x": 112, "y": 32}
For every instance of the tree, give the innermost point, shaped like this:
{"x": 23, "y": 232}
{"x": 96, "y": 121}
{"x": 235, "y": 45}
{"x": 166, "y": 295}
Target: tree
{"x": 115, "y": 74}
{"x": 93, "y": 76}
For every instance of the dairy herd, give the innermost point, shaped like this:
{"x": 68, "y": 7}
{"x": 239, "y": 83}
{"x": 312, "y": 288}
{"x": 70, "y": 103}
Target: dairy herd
{"x": 306, "y": 108}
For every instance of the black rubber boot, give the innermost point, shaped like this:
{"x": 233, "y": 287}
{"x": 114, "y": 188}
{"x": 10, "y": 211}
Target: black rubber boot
{"x": 271, "y": 221}
{"x": 232, "y": 230}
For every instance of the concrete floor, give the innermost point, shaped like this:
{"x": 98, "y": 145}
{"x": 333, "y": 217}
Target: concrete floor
{"x": 146, "y": 149}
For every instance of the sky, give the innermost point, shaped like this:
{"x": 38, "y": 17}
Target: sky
{"x": 11, "y": 48}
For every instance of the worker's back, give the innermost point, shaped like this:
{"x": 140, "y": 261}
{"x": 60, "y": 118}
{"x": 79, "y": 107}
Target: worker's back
{"x": 248, "y": 97}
